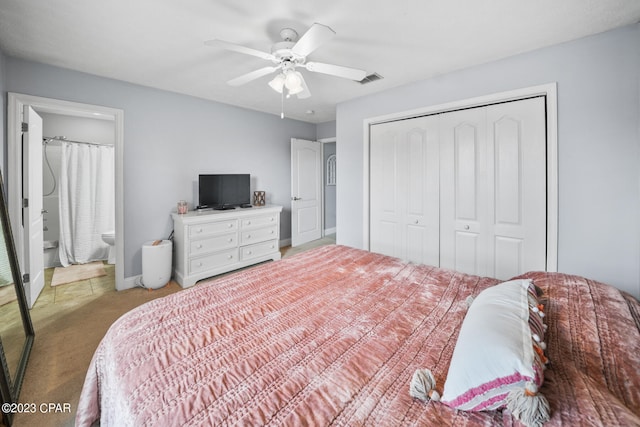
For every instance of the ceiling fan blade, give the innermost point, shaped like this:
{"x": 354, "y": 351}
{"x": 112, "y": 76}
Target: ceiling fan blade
{"x": 306, "y": 93}
{"x": 312, "y": 39}
{"x": 246, "y": 78}
{"x": 336, "y": 70}
{"x": 239, "y": 48}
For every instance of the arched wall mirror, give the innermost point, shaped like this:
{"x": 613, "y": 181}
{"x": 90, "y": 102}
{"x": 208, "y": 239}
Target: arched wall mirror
{"x": 16, "y": 329}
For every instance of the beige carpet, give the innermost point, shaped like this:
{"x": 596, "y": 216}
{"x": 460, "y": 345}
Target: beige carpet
{"x": 75, "y": 273}
{"x": 66, "y": 337}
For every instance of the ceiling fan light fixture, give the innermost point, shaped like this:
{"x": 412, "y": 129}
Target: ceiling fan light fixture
{"x": 293, "y": 82}
{"x": 277, "y": 83}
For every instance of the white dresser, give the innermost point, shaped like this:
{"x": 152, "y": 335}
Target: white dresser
{"x": 208, "y": 243}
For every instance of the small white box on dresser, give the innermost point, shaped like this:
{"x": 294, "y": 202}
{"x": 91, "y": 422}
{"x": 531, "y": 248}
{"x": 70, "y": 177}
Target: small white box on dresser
{"x": 212, "y": 242}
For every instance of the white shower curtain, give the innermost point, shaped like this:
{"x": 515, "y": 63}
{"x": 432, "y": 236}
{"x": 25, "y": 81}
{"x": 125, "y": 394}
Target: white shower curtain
{"x": 87, "y": 202}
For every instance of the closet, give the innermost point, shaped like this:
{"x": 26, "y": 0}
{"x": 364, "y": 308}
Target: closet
{"x": 464, "y": 190}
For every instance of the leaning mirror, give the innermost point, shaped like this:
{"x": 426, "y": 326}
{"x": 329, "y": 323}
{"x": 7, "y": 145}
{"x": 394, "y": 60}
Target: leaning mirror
{"x": 16, "y": 329}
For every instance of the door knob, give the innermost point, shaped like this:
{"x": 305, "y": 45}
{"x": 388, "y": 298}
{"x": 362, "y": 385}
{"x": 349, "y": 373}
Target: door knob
{"x": 296, "y": 198}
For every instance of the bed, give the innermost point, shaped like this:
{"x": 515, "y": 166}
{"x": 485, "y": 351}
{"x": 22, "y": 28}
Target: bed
{"x": 334, "y": 336}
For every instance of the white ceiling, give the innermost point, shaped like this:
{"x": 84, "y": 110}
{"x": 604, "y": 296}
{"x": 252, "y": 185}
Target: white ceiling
{"x": 159, "y": 43}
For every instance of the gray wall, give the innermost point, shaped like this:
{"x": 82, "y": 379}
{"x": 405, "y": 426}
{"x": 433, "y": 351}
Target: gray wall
{"x": 598, "y": 145}
{"x": 168, "y": 140}
{"x": 326, "y": 130}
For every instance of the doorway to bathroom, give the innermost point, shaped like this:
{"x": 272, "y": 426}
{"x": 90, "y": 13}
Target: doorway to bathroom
{"x": 78, "y": 190}
{"x": 72, "y": 125}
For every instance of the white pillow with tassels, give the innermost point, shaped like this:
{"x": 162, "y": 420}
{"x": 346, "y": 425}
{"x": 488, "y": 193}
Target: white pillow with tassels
{"x": 499, "y": 357}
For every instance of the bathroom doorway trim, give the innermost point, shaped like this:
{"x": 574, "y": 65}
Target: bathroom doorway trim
{"x": 16, "y": 102}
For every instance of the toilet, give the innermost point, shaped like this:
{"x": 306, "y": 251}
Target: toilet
{"x": 109, "y": 237}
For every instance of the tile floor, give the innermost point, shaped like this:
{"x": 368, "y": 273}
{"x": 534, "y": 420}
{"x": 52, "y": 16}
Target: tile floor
{"x": 71, "y": 292}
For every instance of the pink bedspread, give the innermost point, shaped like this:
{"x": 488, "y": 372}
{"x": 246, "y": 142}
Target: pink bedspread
{"x": 333, "y": 336}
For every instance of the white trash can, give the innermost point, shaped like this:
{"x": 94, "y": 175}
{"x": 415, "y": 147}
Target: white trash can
{"x": 156, "y": 263}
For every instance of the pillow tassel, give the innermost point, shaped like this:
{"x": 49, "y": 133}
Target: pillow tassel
{"x": 423, "y": 386}
{"x": 531, "y": 408}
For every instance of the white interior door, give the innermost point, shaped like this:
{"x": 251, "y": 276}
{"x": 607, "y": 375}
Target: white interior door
{"x": 404, "y": 189}
{"x": 306, "y": 191}
{"x": 516, "y": 136}
{"x": 386, "y": 217}
{"x": 463, "y": 192}
{"x": 32, "y": 211}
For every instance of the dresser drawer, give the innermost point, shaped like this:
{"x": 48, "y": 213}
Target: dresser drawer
{"x": 258, "y": 250}
{"x": 259, "y": 235}
{"x": 213, "y": 228}
{"x": 258, "y": 221}
{"x": 213, "y": 244}
{"x": 213, "y": 261}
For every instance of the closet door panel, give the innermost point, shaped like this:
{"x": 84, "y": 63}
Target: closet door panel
{"x": 421, "y": 190}
{"x": 465, "y": 171}
{"x": 385, "y": 215}
{"x": 517, "y": 156}
{"x": 464, "y": 190}
{"x": 467, "y": 252}
{"x": 463, "y": 225}
{"x": 508, "y": 257}
{"x": 404, "y": 197}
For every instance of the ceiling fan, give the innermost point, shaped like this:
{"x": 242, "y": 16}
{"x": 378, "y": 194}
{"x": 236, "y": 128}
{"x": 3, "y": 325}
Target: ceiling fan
{"x": 287, "y": 55}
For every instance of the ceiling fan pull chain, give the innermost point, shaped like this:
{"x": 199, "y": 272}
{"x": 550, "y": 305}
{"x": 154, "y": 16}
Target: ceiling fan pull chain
{"x": 282, "y": 104}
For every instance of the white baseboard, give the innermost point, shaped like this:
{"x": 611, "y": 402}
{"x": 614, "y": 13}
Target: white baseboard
{"x": 331, "y": 230}
{"x": 130, "y": 282}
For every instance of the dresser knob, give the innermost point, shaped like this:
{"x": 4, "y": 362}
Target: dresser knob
{"x": 230, "y": 257}
{"x": 249, "y": 252}
{"x": 199, "y": 246}
{"x": 230, "y": 225}
{"x": 272, "y": 231}
{"x": 230, "y": 240}
{"x": 248, "y": 236}
{"x": 248, "y": 222}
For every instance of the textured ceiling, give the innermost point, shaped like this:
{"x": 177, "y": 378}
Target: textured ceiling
{"x": 159, "y": 43}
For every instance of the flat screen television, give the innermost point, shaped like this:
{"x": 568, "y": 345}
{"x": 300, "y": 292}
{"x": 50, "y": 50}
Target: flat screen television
{"x": 224, "y": 191}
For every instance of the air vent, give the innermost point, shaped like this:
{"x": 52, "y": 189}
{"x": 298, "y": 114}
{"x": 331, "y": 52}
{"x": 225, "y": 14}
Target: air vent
{"x": 371, "y": 78}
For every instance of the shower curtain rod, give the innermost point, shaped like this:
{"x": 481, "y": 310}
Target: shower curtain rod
{"x": 62, "y": 138}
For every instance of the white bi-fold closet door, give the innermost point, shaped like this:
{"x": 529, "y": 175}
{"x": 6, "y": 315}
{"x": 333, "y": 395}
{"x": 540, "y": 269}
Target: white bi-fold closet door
{"x": 464, "y": 190}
